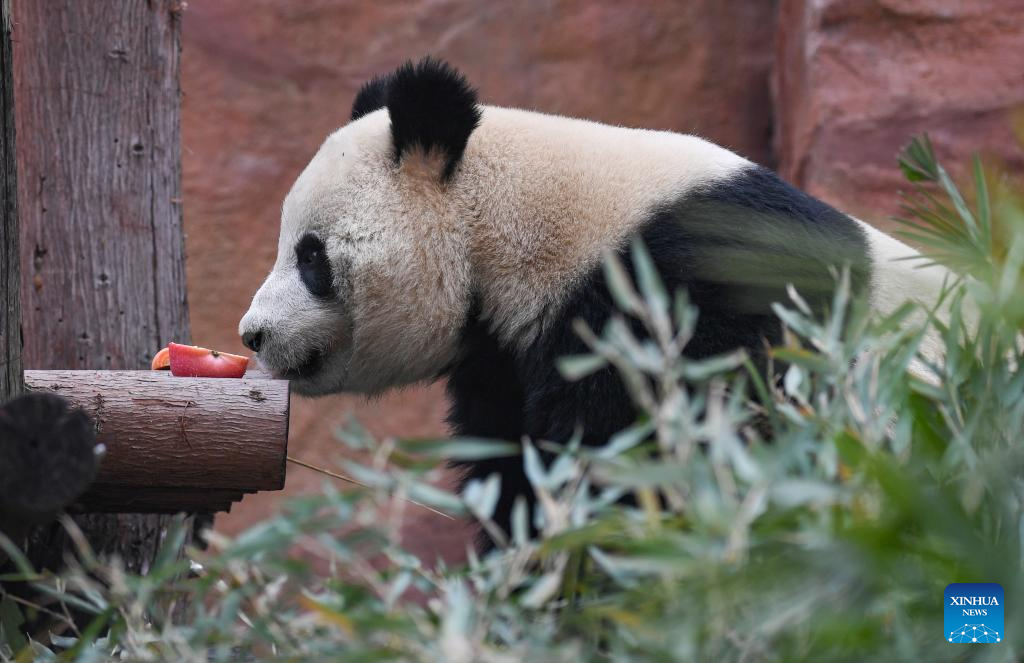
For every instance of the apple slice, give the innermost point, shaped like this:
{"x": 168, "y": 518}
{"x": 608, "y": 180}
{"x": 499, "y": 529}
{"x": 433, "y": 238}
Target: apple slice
{"x": 191, "y": 361}
{"x": 161, "y": 360}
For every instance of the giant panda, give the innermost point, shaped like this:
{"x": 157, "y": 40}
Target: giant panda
{"x": 434, "y": 237}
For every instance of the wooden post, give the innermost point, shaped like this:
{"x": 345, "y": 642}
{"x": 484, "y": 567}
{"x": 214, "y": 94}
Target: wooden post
{"x": 40, "y": 437}
{"x": 10, "y": 297}
{"x": 103, "y": 284}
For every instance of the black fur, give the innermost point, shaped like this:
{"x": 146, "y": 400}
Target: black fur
{"x": 314, "y": 267}
{"x": 733, "y": 245}
{"x": 432, "y": 107}
{"x": 372, "y": 96}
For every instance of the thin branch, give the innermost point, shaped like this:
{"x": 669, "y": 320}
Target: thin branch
{"x": 342, "y": 477}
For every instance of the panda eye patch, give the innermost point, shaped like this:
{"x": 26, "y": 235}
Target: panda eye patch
{"x": 314, "y": 267}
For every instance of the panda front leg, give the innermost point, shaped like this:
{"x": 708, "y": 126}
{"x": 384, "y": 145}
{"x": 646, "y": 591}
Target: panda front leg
{"x": 500, "y": 393}
{"x": 553, "y": 410}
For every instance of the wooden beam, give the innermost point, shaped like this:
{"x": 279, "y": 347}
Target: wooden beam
{"x": 168, "y": 437}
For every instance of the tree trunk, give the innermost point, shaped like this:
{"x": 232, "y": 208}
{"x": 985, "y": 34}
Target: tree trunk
{"x": 103, "y": 285}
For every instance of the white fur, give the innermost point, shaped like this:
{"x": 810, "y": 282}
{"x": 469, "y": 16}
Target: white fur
{"x": 899, "y": 275}
{"x": 400, "y": 265}
{"x": 547, "y": 195}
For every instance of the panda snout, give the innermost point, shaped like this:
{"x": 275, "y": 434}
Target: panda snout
{"x": 253, "y": 339}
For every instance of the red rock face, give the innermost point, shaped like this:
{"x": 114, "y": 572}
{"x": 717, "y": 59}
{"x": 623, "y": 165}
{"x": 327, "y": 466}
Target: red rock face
{"x": 855, "y": 79}
{"x": 265, "y": 81}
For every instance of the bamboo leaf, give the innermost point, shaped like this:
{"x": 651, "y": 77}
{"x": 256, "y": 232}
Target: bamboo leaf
{"x": 482, "y": 496}
{"x": 532, "y": 465}
{"x": 621, "y": 286}
{"x": 460, "y": 448}
{"x": 625, "y": 440}
{"x": 651, "y": 286}
{"x": 545, "y": 588}
{"x": 576, "y": 367}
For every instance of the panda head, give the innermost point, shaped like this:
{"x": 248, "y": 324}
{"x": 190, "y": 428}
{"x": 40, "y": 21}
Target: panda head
{"x": 370, "y": 288}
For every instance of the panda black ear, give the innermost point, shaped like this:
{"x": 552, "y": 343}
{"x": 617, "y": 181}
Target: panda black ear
{"x": 433, "y": 108}
{"x": 372, "y": 96}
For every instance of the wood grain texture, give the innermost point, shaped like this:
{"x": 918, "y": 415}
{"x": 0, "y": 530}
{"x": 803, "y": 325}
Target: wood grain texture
{"x": 10, "y": 270}
{"x": 102, "y": 251}
{"x": 195, "y": 434}
{"x": 103, "y": 273}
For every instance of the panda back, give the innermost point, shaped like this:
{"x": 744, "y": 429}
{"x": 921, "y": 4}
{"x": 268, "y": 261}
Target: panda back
{"x": 734, "y": 244}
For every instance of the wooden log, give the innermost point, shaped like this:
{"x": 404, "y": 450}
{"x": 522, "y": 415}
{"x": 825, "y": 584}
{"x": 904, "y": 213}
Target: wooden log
{"x": 171, "y": 440}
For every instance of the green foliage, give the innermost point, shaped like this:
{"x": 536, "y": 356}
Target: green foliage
{"x": 833, "y": 540}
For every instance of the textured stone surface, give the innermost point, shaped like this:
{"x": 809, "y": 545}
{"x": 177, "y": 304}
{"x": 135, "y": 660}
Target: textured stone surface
{"x": 856, "y": 79}
{"x": 265, "y": 81}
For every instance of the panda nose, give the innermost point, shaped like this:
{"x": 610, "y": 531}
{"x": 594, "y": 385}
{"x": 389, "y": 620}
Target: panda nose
{"x": 253, "y": 340}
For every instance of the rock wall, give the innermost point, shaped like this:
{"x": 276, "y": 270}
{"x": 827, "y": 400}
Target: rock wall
{"x": 855, "y": 79}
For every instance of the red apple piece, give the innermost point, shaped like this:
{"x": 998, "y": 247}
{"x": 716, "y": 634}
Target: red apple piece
{"x": 161, "y": 360}
{"x": 192, "y": 361}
